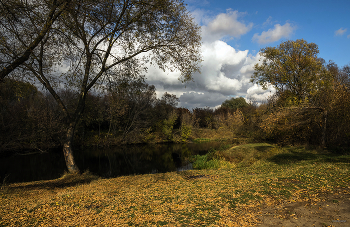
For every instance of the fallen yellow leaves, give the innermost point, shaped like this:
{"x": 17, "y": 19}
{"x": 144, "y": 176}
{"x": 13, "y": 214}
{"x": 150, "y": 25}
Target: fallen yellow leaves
{"x": 224, "y": 197}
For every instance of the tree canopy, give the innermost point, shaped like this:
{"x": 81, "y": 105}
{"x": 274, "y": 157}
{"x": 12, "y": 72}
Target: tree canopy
{"x": 292, "y": 66}
{"x": 235, "y": 103}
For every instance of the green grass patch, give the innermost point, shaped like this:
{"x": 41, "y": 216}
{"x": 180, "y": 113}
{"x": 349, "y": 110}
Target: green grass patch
{"x": 263, "y": 154}
{"x": 202, "y": 162}
{"x": 210, "y": 161}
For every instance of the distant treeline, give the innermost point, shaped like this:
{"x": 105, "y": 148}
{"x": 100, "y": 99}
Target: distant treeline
{"x": 130, "y": 112}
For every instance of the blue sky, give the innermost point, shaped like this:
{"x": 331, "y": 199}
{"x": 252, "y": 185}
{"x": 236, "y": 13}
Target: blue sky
{"x": 233, "y": 32}
{"x": 314, "y": 21}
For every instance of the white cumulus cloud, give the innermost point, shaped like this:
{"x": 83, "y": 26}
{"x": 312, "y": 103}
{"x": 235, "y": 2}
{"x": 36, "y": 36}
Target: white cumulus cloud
{"x": 275, "y": 34}
{"x": 256, "y": 93}
{"x": 225, "y": 71}
{"x": 225, "y": 25}
{"x": 221, "y": 68}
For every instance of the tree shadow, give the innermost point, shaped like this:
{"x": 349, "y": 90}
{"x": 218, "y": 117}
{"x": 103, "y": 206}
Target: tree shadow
{"x": 297, "y": 156}
{"x": 282, "y": 159}
{"x": 67, "y": 180}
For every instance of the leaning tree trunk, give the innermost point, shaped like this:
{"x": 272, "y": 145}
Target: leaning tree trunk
{"x": 68, "y": 145}
{"x": 68, "y": 151}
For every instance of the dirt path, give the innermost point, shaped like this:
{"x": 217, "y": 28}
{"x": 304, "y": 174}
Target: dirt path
{"x": 331, "y": 210}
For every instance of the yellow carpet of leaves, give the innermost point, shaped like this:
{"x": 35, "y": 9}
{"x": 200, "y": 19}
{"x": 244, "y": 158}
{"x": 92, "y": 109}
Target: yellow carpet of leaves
{"x": 223, "y": 197}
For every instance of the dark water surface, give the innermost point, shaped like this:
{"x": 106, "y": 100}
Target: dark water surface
{"x": 105, "y": 162}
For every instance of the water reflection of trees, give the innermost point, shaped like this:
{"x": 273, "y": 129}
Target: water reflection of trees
{"x": 105, "y": 162}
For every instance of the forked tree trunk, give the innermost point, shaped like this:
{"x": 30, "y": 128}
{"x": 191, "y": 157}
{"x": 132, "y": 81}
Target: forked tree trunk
{"x": 68, "y": 152}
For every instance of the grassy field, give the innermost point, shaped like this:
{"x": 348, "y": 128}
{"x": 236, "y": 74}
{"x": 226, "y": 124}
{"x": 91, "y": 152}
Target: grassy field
{"x": 246, "y": 185}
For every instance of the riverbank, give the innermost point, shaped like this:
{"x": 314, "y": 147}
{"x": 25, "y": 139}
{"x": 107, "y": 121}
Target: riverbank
{"x": 104, "y": 139}
{"x": 112, "y": 161}
{"x": 265, "y": 185}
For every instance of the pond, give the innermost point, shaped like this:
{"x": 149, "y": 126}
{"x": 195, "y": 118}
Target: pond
{"x": 105, "y": 162}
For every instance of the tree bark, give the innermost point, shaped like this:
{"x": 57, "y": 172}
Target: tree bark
{"x": 68, "y": 152}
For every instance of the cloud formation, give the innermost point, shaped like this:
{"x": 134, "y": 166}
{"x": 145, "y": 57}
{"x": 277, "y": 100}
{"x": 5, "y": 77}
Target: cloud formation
{"x": 340, "y": 32}
{"x": 275, "y": 34}
{"x": 194, "y": 99}
{"x": 256, "y": 93}
{"x": 225, "y": 71}
{"x": 225, "y": 25}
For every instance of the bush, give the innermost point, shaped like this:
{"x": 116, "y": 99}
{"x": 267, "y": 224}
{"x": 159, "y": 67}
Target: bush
{"x": 210, "y": 161}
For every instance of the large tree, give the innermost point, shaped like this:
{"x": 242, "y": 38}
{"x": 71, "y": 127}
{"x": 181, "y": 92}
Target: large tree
{"x": 292, "y": 66}
{"x": 96, "y": 40}
{"x": 298, "y": 75}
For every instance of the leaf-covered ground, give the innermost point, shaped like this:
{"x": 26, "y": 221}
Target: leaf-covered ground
{"x": 275, "y": 191}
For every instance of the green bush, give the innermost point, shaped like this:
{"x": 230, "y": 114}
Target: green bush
{"x": 209, "y": 161}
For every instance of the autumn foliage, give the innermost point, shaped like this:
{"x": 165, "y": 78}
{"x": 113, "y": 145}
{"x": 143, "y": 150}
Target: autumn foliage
{"x": 311, "y": 105}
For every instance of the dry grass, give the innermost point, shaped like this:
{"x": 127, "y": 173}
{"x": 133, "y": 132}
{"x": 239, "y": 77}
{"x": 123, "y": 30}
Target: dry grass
{"x": 222, "y": 197}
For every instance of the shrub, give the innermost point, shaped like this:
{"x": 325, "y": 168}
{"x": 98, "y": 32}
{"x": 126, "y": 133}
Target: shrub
{"x": 210, "y": 161}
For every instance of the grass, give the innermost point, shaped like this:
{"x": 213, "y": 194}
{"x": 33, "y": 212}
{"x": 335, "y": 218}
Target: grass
{"x": 230, "y": 195}
{"x": 203, "y": 162}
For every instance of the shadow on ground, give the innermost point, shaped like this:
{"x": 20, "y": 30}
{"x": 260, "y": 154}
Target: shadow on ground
{"x": 297, "y": 155}
{"x": 68, "y": 180}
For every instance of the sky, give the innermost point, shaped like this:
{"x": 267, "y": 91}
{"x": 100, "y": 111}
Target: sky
{"x": 233, "y": 32}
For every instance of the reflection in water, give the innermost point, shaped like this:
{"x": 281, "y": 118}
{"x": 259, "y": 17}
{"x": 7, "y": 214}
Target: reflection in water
{"x": 105, "y": 162}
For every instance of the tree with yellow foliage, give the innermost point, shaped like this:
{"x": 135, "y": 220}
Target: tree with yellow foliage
{"x": 292, "y": 66}
{"x": 298, "y": 75}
